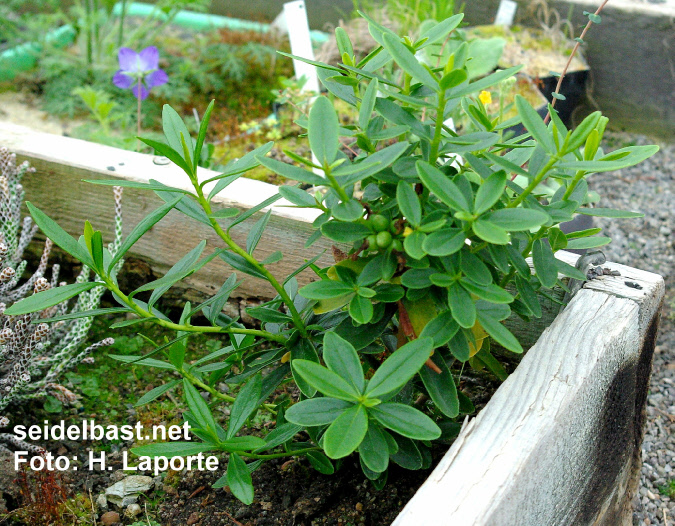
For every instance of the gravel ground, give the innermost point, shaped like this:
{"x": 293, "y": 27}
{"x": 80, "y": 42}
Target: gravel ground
{"x": 648, "y": 244}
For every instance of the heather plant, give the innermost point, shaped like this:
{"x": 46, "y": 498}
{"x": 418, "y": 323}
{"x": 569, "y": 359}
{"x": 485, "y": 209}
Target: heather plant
{"x": 34, "y": 354}
{"x": 431, "y": 229}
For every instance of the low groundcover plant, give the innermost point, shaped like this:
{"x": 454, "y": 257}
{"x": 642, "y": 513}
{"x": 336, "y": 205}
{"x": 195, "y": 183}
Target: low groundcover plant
{"x": 432, "y": 231}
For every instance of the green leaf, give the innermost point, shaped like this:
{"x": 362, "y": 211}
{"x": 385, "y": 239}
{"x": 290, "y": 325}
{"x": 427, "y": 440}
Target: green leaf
{"x": 244, "y": 443}
{"x": 374, "y": 450}
{"x": 86, "y": 314}
{"x": 400, "y": 367}
{"x": 462, "y": 306}
{"x": 234, "y": 169}
{"x": 280, "y": 435}
{"x": 529, "y": 296}
{"x": 582, "y": 131}
{"x": 544, "y": 263}
{"x": 409, "y": 203}
{"x": 156, "y": 393}
{"x": 500, "y": 333}
{"x": 535, "y": 124}
{"x": 488, "y": 231}
{"x": 609, "y": 212}
{"x": 171, "y": 154}
{"x": 199, "y": 408}
{"x": 441, "y": 386}
{"x": 292, "y": 172}
{"x": 345, "y": 434}
{"x": 616, "y": 160}
{"x": 325, "y": 380}
{"x": 484, "y": 83}
{"x": 517, "y": 219}
{"x": 442, "y": 186}
{"x": 344, "y": 232}
{"x": 341, "y": 358}
{"x": 173, "y": 449}
{"x": 406, "y": 421}
{"x": 238, "y": 262}
{"x": 491, "y": 292}
{"x": 316, "y": 411}
{"x": 347, "y": 174}
{"x": 256, "y": 232}
{"x": 187, "y": 206}
{"x": 297, "y": 196}
{"x": 218, "y": 301}
{"x": 361, "y": 309}
{"x": 203, "y": 127}
{"x": 444, "y": 242}
{"x": 439, "y": 31}
{"x": 320, "y": 462}
{"x": 49, "y": 298}
{"x": 59, "y": 236}
{"x": 174, "y": 128}
{"x": 325, "y": 289}
{"x": 244, "y": 405}
{"x": 348, "y": 211}
{"x": 588, "y": 242}
{"x": 489, "y": 192}
{"x": 408, "y": 62}
{"x": 368, "y": 104}
{"x": 414, "y": 244}
{"x": 323, "y": 130}
{"x": 441, "y": 329}
{"x": 141, "y": 228}
{"x": 268, "y": 315}
{"x": 557, "y": 239}
{"x": 303, "y": 350}
{"x": 254, "y": 210}
{"x": 137, "y": 184}
{"x": 239, "y": 479}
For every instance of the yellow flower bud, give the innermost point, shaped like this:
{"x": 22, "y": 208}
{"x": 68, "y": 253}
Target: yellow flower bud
{"x": 485, "y": 97}
{"x": 407, "y": 231}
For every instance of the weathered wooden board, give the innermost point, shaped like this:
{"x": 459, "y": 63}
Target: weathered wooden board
{"x": 57, "y": 187}
{"x": 559, "y": 442}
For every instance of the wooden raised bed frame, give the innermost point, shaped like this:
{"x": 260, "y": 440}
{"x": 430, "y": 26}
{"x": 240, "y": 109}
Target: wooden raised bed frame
{"x": 560, "y": 441}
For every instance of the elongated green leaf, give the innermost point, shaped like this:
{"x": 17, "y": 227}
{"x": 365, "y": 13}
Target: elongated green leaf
{"x": 167, "y": 151}
{"x": 406, "y": 421}
{"x": 245, "y": 403}
{"x": 238, "y": 262}
{"x": 325, "y": 289}
{"x": 316, "y": 411}
{"x": 609, "y": 212}
{"x": 440, "y": 30}
{"x": 280, "y": 435}
{"x": 483, "y": 83}
{"x": 49, "y": 298}
{"x": 243, "y": 443}
{"x": 59, "y": 236}
{"x": 349, "y": 174}
{"x": 292, "y": 172}
{"x": 500, "y": 333}
{"x": 187, "y": 206}
{"x": 409, "y": 203}
{"x": 234, "y": 169}
{"x": 616, "y": 160}
{"x": 141, "y": 228}
{"x": 137, "y": 184}
{"x": 203, "y": 127}
{"x": 544, "y": 263}
{"x": 156, "y": 393}
{"x": 368, "y": 104}
{"x": 488, "y": 231}
{"x": 462, "y": 306}
{"x": 86, "y": 314}
{"x": 239, "y": 479}
{"x": 254, "y": 210}
{"x": 408, "y": 62}
{"x": 344, "y": 232}
{"x": 588, "y": 242}
{"x": 323, "y": 130}
{"x": 341, "y": 358}
{"x": 489, "y": 192}
{"x": 517, "y": 219}
{"x": 198, "y": 407}
{"x": 535, "y": 124}
{"x": 174, "y": 128}
{"x": 325, "y": 380}
{"x": 346, "y": 433}
{"x": 400, "y": 367}
{"x": 320, "y": 462}
{"x": 361, "y": 309}
{"x": 441, "y": 329}
{"x": 374, "y": 450}
{"x": 297, "y": 196}
{"x": 441, "y": 386}
{"x": 491, "y": 292}
{"x": 444, "y": 242}
{"x": 256, "y": 232}
{"x": 582, "y": 131}
{"x": 441, "y": 185}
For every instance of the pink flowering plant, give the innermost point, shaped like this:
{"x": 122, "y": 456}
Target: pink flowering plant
{"x": 430, "y": 259}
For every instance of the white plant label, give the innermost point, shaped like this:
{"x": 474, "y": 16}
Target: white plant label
{"x": 506, "y": 13}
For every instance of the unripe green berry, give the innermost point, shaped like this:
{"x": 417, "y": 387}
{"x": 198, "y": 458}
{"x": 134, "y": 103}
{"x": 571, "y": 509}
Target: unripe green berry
{"x": 372, "y": 242}
{"x": 384, "y": 239}
{"x": 379, "y": 222}
{"x": 397, "y": 245}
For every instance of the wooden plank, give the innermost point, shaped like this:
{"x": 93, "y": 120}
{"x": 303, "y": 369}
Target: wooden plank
{"x": 58, "y": 189}
{"x": 559, "y": 442}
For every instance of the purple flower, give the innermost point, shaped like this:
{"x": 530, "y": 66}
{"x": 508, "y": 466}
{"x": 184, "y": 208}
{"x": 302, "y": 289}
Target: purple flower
{"x": 139, "y": 71}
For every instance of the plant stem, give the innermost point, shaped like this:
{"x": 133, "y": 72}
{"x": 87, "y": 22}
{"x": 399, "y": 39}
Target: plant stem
{"x": 279, "y": 455}
{"x": 569, "y": 60}
{"x": 188, "y": 328}
{"x": 120, "y": 34}
{"x": 206, "y": 206}
{"x": 333, "y": 182}
{"x": 436, "y": 142}
{"x": 138, "y": 118}
{"x": 535, "y": 182}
